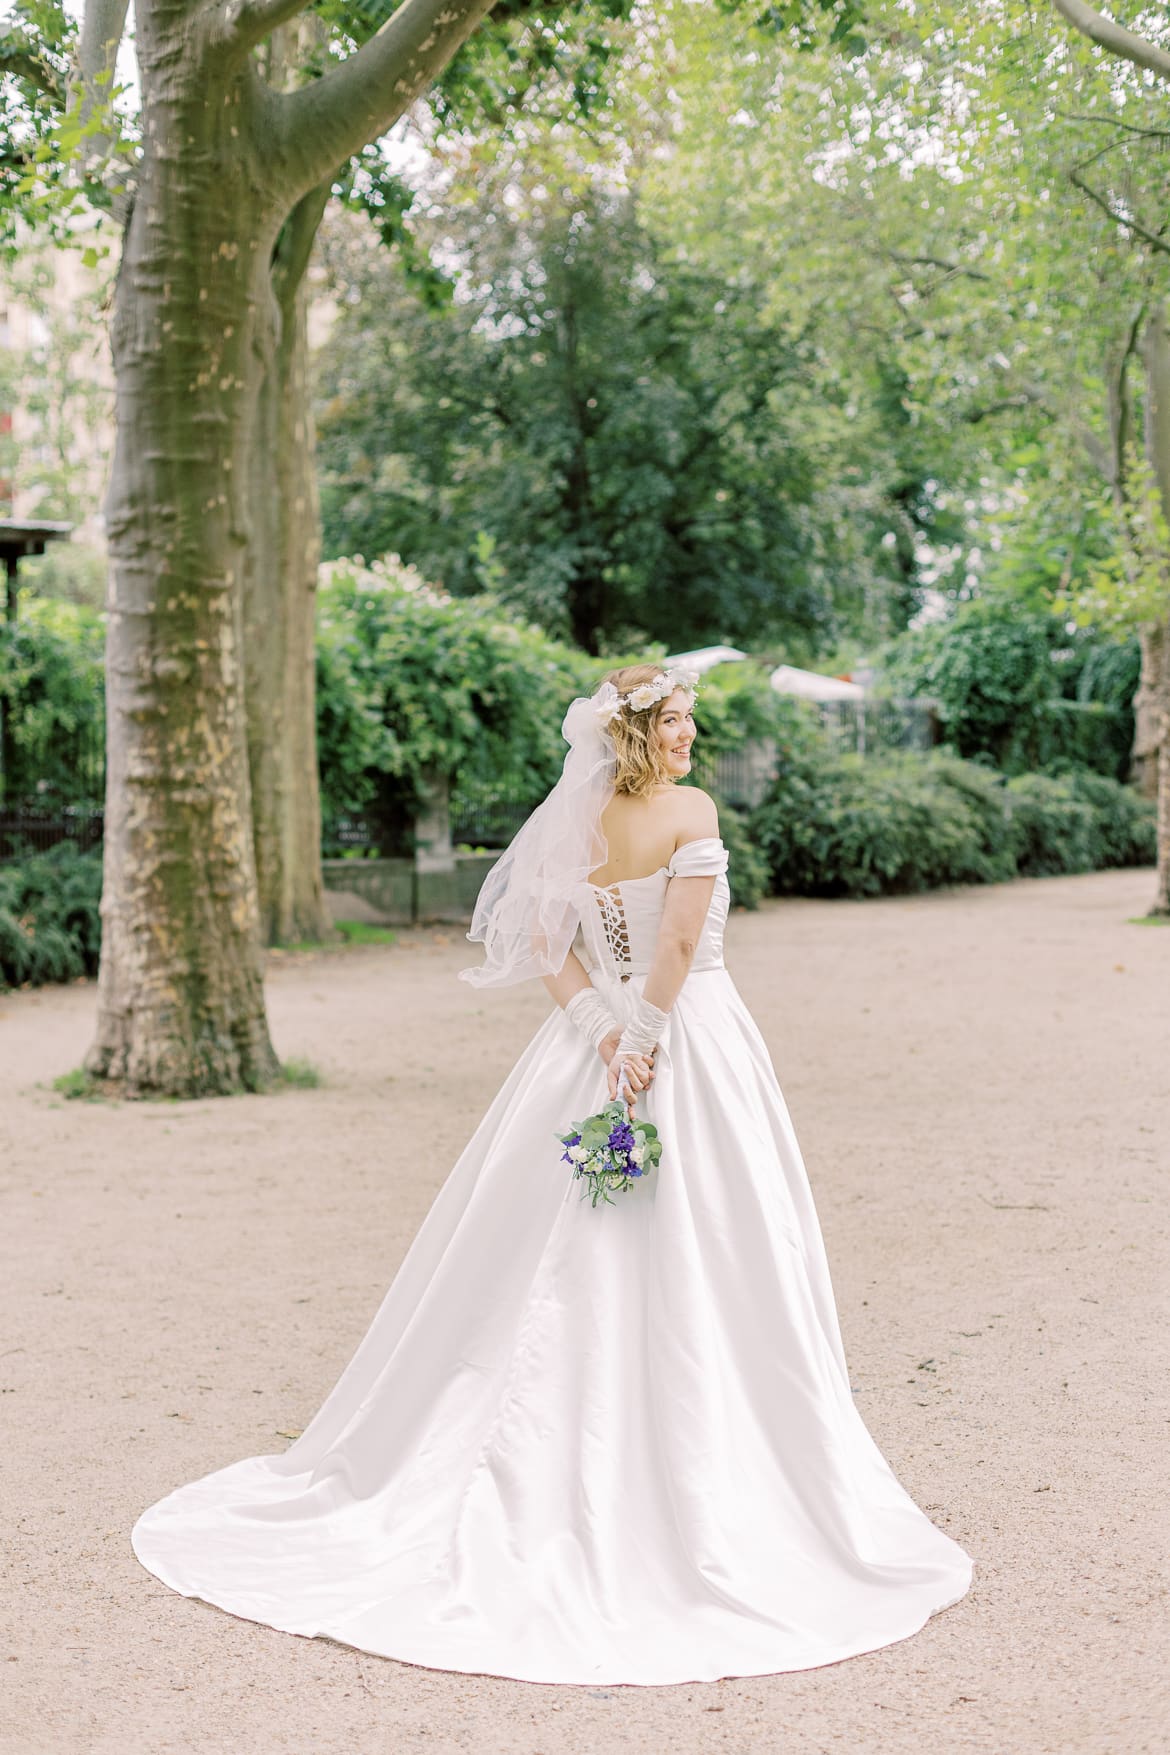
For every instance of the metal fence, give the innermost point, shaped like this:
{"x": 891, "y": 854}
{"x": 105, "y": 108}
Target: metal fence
{"x": 489, "y": 816}
{"x": 871, "y": 727}
{"x": 26, "y": 829}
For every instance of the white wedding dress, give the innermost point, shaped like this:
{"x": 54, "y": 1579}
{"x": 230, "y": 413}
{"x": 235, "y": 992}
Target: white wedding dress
{"x": 611, "y": 1445}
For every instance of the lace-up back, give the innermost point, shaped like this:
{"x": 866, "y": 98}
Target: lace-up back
{"x": 620, "y": 922}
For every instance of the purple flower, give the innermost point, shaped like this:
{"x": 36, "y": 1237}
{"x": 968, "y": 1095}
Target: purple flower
{"x": 622, "y": 1138}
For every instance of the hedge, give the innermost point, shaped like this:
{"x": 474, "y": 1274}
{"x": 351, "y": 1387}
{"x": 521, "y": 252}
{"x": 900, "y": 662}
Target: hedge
{"x": 838, "y": 826}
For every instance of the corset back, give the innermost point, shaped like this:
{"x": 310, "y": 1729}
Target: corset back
{"x": 619, "y": 923}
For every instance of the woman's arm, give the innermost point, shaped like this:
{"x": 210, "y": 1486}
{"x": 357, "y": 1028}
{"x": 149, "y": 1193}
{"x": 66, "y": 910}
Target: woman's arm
{"x": 571, "y": 978}
{"x": 584, "y": 1006}
{"x": 684, "y": 912}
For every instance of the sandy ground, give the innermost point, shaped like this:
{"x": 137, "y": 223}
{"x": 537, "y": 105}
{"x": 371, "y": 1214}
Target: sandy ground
{"x": 982, "y": 1088}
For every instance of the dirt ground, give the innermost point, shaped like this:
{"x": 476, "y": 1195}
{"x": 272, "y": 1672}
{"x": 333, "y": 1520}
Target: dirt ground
{"x": 981, "y": 1085}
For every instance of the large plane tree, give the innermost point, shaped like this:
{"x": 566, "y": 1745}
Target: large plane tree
{"x": 233, "y": 155}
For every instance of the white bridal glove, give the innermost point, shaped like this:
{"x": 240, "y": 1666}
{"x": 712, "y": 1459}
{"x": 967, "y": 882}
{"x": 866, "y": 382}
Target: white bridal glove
{"x": 590, "y": 1014}
{"x": 642, "y": 1033}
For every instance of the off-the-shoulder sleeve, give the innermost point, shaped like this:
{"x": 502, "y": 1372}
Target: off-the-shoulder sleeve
{"x": 706, "y": 857}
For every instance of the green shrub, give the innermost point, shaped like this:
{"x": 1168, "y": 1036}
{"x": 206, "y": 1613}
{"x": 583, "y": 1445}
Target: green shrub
{"x": 50, "y": 927}
{"x": 1052, "y": 830}
{"x": 748, "y": 872}
{"x": 840, "y": 826}
{"x": 1078, "y": 821}
{"x": 1124, "y": 828}
{"x": 1015, "y": 687}
{"x": 51, "y": 695}
{"x": 412, "y": 683}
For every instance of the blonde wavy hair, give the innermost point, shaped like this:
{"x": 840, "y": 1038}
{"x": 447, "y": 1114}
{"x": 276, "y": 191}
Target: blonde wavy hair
{"x": 641, "y": 765}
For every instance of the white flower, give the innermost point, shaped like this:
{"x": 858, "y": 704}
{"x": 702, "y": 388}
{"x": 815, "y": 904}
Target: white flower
{"x": 638, "y": 1156}
{"x": 577, "y": 1154}
{"x": 607, "y": 703}
{"x": 645, "y": 696}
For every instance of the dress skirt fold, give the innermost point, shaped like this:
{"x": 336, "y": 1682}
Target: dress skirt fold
{"x": 578, "y": 1445}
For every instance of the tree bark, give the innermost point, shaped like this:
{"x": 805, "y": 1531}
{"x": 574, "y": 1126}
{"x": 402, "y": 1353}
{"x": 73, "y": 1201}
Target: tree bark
{"x": 280, "y": 605}
{"x": 1152, "y": 707}
{"x": 181, "y": 1007}
{"x": 225, "y": 160}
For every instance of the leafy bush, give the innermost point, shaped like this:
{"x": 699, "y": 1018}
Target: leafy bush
{"x": 748, "y": 872}
{"x": 1125, "y": 830}
{"x": 52, "y": 696}
{"x": 413, "y": 683}
{"x": 1051, "y": 829}
{"x": 50, "y": 928}
{"x": 1077, "y": 821}
{"x": 1014, "y": 687}
{"x": 839, "y": 826}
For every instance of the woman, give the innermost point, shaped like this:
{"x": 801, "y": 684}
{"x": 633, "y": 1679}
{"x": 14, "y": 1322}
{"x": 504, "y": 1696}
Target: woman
{"x": 594, "y": 1445}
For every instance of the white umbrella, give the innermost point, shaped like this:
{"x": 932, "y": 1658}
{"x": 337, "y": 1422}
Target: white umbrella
{"x": 788, "y": 679}
{"x": 707, "y": 657}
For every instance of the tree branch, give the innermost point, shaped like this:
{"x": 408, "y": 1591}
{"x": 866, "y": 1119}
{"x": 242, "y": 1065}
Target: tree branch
{"x": 1121, "y": 408}
{"x": 936, "y": 262}
{"x": 1130, "y": 225}
{"x": 987, "y": 410}
{"x": 102, "y": 26}
{"x": 248, "y": 22}
{"x": 1108, "y": 34}
{"x": 295, "y": 245}
{"x": 20, "y": 58}
{"x": 1115, "y": 122}
{"x": 322, "y": 124}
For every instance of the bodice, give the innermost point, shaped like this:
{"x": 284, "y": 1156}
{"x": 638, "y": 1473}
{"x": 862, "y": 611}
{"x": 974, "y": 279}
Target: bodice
{"x": 619, "y": 923}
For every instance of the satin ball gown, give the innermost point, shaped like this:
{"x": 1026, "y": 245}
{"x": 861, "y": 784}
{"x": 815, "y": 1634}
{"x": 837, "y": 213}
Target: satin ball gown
{"x": 592, "y": 1446}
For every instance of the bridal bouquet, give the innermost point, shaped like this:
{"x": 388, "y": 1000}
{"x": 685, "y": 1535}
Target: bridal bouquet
{"x": 609, "y": 1150}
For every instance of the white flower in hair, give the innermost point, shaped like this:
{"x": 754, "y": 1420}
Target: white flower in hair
{"x": 607, "y": 703}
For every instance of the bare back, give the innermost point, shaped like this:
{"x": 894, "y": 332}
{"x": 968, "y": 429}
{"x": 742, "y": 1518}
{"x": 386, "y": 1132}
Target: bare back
{"x": 642, "y": 834}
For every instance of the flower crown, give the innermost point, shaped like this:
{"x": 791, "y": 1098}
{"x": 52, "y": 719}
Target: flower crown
{"x": 610, "y": 703}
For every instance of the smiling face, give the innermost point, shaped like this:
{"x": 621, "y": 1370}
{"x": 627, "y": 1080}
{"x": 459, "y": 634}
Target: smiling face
{"x": 674, "y": 732}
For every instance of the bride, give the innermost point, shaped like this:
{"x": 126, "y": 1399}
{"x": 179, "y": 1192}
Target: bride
{"x": 594, "y": 1445}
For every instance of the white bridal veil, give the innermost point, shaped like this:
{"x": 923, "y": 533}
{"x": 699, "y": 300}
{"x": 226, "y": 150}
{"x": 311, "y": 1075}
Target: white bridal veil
{"x": 530, "y": 902}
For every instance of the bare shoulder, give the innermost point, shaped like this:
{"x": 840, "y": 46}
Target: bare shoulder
{"x": 696, "y": 814}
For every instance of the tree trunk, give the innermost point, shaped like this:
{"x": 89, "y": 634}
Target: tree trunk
{"x": 1152, "y": 708}
{"x": 181, "y": 1008}
{"x": 1162, "y": 894}
{"x": 1147, "y": 709}
{"x": 279, "y": 605}
{"x": 226, "y": 157}
{"x": 281, "y": 576}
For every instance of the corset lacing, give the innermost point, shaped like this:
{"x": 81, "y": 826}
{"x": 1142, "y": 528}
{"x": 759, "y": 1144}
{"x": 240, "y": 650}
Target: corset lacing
{"x": 617, "y": 932}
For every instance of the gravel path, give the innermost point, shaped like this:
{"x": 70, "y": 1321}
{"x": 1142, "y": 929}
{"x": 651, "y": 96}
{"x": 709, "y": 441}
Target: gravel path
{"x": 981, "y": 1085}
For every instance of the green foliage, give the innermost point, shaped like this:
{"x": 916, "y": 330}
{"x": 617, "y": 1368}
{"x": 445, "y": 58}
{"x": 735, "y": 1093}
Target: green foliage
{"x": 50, "y": 927}
{"x": 363, "y": 932}
{"x": 747, "y": 873}
{"x": 301, "y": 1075}
{"x": 413, "y": 684}
{"x": 837, "y": 826}
{"x": 77, "y": 1086}
{"x": 1077, "y": 821}
{"x": 1015, "y": 687}
{"x": 627, "y": 432}
{"x": 52, "y": 693}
